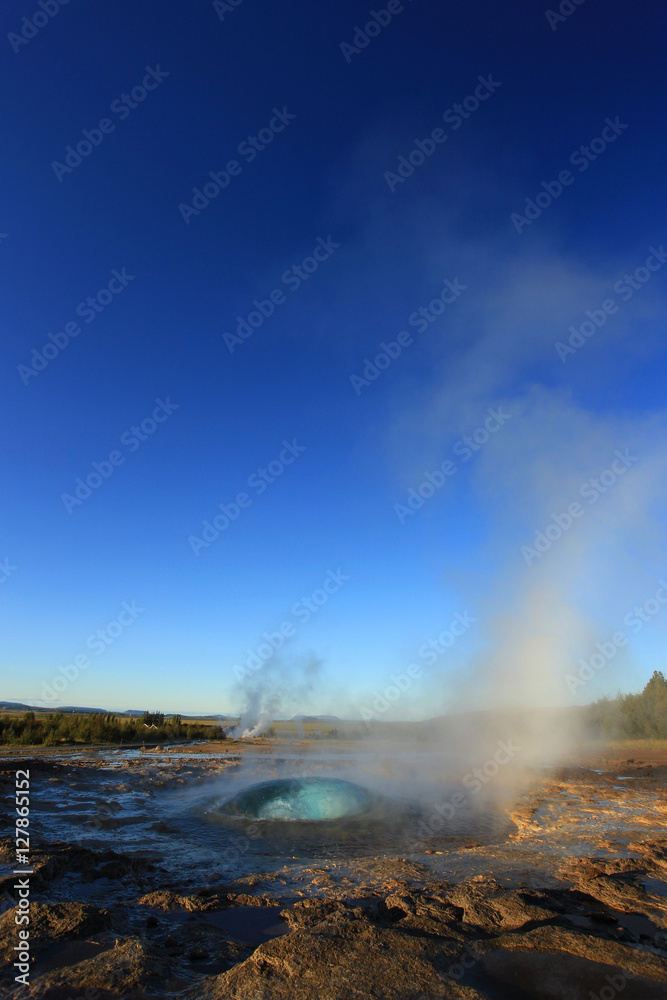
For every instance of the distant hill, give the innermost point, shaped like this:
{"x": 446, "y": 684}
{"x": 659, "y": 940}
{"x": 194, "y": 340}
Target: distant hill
{"x": 77, "y": 709}
{"x": 184, "y": 715}
{"x": 207, "y": 715}
{"x": 18, "y": 706}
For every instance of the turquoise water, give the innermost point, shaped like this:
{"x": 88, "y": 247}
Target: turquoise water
{"x": 300, "y": 799}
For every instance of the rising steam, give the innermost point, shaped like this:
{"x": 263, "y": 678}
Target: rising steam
{"x": 281, "y": 685}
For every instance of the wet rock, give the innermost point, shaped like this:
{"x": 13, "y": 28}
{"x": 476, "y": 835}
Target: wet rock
{"x": 616, "y": 882}
{"x": 7, "y": 850}
{"x": 456, "y": 942}
{"x": 165, "y": 899}
{"x": 53, "y": 861}
{"x": 490, "y": 908}
{"x": 209, "y": 899}
{"x": 131, "y": 964}
{"x": 603, "y": 950}
{"x": 173, "y": 946}
{"x": 51, "y": 922}
{"x": 654, "y": 853}
{"x": 343, "y": 955}
{"x": 198, "y": 953}
{"x": 309, "y": 913}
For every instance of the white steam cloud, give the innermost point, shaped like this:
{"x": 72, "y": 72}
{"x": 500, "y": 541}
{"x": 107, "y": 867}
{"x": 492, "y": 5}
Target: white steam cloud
{"x": 280, "y": 687}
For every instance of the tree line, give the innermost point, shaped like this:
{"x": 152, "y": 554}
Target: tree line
{"x": 55, "y": 728}
{"x": 630, "y": 716}
{"x": 633, "y": 716}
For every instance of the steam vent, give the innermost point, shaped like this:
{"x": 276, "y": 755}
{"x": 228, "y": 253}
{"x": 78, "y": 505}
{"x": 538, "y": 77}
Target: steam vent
{"x": 300, "y": 799}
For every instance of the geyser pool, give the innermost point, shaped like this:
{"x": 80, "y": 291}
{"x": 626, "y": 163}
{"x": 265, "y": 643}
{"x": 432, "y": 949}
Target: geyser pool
{"x": 300, "y": 799}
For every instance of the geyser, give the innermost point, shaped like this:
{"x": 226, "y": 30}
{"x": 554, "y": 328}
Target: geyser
{"x": 300, "y": 799}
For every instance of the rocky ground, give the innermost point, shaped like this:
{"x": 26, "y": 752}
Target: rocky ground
{"x": 529, "y": 914}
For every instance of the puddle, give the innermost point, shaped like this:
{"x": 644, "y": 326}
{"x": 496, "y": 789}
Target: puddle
{"x": 655, "y": 886}
{"x": 246, "y": 924}
{"x": 66, "y": 953}
{"x": 517, "y": 975}
{"x": 251, "y": 924}
{"x": 638, "y": 924}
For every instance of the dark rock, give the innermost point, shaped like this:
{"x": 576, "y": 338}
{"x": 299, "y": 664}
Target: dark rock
{"x": 197, "y": 954}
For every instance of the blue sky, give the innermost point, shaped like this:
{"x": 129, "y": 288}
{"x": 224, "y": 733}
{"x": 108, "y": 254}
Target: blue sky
{"x": 114, "y": 223}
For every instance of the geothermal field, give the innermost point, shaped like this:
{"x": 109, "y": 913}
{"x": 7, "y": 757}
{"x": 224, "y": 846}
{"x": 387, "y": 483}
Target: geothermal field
{"x": 334, "y": 868}
{"x": 333, "y": 534}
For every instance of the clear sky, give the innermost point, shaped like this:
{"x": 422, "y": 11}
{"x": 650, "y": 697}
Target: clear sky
{"x": 214, "y": 217}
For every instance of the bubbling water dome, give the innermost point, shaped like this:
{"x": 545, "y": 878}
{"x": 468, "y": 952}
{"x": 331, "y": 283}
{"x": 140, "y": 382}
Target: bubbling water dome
{"x": 310, "y": 799}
